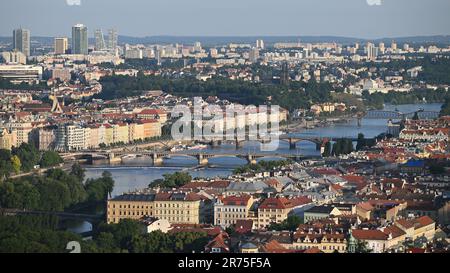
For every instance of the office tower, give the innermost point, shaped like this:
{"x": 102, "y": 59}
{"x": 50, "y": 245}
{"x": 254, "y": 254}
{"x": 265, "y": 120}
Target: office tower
{"x": 112, "y": 39}
{"x": 394, "y": 46}
{"x": 21, "y": 41}
{"x": 372, "y": 51}
{"x": 80, "y": 39}
{"x": 61, "y": 45}
{"x": 213, "y": 52}
{"x": 158, "y": 53}
{"x": 197, "y": 47}
{"x": 99, "y": 40}
{"x": 406, "y": 47}
{"x": 284, "y": 79}
{"x": 254, "y": 55}
{"x": 260, "y": 44}
{"x": 382, "y": 48}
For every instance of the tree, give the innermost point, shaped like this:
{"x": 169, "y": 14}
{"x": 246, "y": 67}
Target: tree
{"x": 5, "y": 163}
{"x": 50, "y": 158}
{"x": 16, "y": 164}
{"x": 99, "y": 189}
{"x": 361, "y": 247}
{"x": 174, "y": 180}
{"x": 78, "y": 171}
{"x": 28, "y": 154}
{"x": 361, "y": 143}
{"x": 291, "y": 223}
{"x": 327, "y": 150}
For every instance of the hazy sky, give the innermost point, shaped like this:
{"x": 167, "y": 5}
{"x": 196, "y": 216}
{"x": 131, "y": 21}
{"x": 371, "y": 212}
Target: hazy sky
{"x": 351, "y": 18}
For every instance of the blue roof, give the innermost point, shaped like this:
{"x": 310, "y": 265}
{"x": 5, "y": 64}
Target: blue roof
{"x": 415, "y": 163}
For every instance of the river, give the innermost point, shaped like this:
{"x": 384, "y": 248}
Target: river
{"x": 139, "y": 173}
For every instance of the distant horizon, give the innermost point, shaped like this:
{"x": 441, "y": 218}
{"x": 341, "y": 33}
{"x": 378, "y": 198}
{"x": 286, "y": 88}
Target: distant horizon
{"x": 240, "y": 36}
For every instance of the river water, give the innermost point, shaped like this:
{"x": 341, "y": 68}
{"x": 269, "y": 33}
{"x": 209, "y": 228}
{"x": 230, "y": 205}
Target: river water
{"x": 139, "y": 173}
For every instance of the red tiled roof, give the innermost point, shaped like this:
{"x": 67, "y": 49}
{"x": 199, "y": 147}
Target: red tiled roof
{"x": 362, "y": 234}
{"x": 243, "y": 226}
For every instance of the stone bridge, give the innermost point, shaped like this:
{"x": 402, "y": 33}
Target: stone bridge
{"x": 202, "y": 158}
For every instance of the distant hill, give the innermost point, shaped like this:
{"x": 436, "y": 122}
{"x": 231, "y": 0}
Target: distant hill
{"x": 269, "y": 40}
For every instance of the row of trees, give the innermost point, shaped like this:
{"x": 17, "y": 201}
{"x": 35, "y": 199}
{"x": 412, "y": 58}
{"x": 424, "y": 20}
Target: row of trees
{"x": 445, "y": 110}
{"x": 129, "y": 236}
{"x": 290, "y": 97}
{"x": 262, "y": 166}
{"x": 24, "y": 158}
{"x": 342, "y": 146}
{"x": 41, "y": 234}
{"x": 33, "y": 234}
{"x": 55, "y": 191}
{"x": 376, "y": 100}
{"x": 174, "y": 180}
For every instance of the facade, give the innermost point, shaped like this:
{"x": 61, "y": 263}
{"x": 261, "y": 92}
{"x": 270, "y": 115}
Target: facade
{"x": 14, "y": 57}
{"x": 179, "y": 208}
{"x": 112, "y": 39}
{"x": 228, "y": 210}
{"x": 46, "y": 139}
{"x": 7, "y": 139}
{"x": 320, "y": 212}
{"x": 22, "y": 132}
{"x": 21, "y": 41}
{"x": 61, "y": 45}
{"x": 327, "y": 242}
{"x": 70, "y": 137}
{"x": 155, "y": 224}
{"x": 277, "y": 209}
{"x": 19, "y": 73}
{"x": 419, "y": 227}
{"x": 99, "y": 40}
{"x": 62, "y": 74}
{"x": 156, "y": 114}
{"x": 80, "y": 39}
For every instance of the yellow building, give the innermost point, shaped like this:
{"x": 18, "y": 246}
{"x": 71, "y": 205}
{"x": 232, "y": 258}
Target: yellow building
{"x": 177, "y": 208}
{"x": 419, "y": 227}
{"x": 120, "y": 133}
{"x": 22, "y": 130}
{"x": 152, "y": 128}
{"x": 108, "y": 134}
{"x": 136, "y": 131}
{"x": 326, "y": 242}
{"x": 6, "y": 139}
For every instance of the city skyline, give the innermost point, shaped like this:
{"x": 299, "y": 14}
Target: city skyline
{"x": 354, "y": 18}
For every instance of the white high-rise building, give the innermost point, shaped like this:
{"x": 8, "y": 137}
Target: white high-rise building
{"x": 99, "y": 40}
{"x": 382, "y": 47}
{"x": 14, "y": 57}
{"x": 260, "y": 44}
{"x": 394, "y": 47}
{"x": 372, "y": 52}
{"x": 112, "y": 39}
{"x": 197, "y": 47}
{"x": 254, "y": 55}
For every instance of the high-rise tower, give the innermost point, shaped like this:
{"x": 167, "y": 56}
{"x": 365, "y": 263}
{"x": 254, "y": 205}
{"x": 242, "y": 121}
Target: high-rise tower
{"x": 112, "y": 39}
{"x": 99, "y": 40}
{"x": 80, "y": 41}
{"x": 21, "y": 41}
